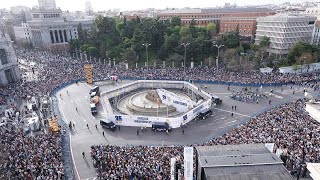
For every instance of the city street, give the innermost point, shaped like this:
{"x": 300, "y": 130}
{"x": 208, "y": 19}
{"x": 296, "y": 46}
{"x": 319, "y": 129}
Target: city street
{"x": 195, "y": 132}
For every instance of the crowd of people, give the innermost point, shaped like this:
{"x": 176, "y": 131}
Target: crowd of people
{"x": 289, "y": 127}
{"x": 134, "y": 162}
{"x": 292, "y": 130}
{"x": 248, "y": 96}
{"x": 30, "y": 157}
{"x": 54, "y": 70}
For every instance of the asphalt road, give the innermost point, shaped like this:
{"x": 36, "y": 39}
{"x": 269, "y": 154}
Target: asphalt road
{"x": 196, "y": 132}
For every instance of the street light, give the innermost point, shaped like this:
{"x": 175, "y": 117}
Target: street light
{"x": 185, "y": 55}
{"x": 147, "y": 45}
{"x": 217, "y": 59}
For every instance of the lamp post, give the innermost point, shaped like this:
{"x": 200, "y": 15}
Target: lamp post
{"x": 147, "y": 45}
{"x": 185, "y": 55}
{"x": 217, "y": 59}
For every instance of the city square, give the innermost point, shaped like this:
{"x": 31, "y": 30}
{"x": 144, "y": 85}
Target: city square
{"x": 181, "y": 93}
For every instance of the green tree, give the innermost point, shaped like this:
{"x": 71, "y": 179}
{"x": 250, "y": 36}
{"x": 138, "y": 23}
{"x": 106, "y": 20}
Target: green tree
{"x": 211, "y": 28}
{"x": 265, "y": 42}
{"x": 231, "y": 40}
{"x": 175, "y": 21}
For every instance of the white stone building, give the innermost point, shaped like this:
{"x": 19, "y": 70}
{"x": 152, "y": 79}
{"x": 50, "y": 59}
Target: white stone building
{"x": 284, "y": 30}
{"x": 9, "y": 70}
{"x": 48, "y": 26}
{"x": 23, "y": 33}
{"x": 47, "y": 4}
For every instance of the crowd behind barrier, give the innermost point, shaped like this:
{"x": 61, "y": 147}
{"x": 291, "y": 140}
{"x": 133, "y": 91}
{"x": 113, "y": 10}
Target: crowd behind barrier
{"x": 55, "y": 72}
{"x": 30, "y": 157}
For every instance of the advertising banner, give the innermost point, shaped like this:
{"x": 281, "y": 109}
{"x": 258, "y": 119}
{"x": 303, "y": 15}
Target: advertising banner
{"x": 188, "y": 163}
{"x": 172, "y": 168}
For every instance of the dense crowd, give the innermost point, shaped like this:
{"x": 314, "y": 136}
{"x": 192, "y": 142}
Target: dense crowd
{"x": 134, "y": 162}
{"x": 30, "y": 157}
{"x": 53, "y": 70}
{"x": 292, "y": 130}
{"x": 289, "y": 126}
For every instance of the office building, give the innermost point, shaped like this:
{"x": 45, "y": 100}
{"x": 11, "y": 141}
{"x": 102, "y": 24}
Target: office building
{"x": 284, "y": 30}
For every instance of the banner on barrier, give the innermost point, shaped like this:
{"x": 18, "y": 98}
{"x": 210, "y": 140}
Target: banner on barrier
{"x": 172, "y": 168}
{"x": 188, "y": 163}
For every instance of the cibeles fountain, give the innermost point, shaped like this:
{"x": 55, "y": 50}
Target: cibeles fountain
{"x": 144, "y": 102}
{"x": 150, "y": 103}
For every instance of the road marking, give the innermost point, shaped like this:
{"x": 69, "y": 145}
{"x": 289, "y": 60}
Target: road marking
{"x": 231, "y": 112}
{"x": 223, "y": 118}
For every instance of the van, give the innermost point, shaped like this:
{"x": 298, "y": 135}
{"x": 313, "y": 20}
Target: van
{"x": 160, "y": 126}
{"x": 204, "y": 115}
{"x": 108, "y": 124}
{"x": 94, "y": 91}
{"x": 94, "y": 109}
{"x": 216, "y": 100}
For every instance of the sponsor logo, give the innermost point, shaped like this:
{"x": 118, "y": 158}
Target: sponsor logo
{"x": 181, "y": 103}
{"x": 185, "y": 117}
{"x": 118, "y": 118}
{"x": 141, "y": 121}
{"x": 142, "y": 118}
{"x": 164, "y": 97}
{"x": 197, "y": 109}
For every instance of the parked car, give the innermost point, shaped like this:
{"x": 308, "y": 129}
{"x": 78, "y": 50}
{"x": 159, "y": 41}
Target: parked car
{"x": 216, "y": 100}
{"x": 160, "y": 126}
{"x": 94, "y": 109}
{"x": 108, "y": 124}
{"x": 94, "y": 92}
{"x": 204, "y": 115}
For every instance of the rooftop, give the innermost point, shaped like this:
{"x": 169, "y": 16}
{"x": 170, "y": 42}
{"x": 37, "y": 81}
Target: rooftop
{"x": 245, "y": 161}
{"x": 215, "y": 10}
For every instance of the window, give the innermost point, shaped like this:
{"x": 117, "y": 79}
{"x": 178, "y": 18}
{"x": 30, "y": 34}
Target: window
{"x": 240, "y": 30}
{"x": 248, "y": 26}
{"x": 3, "y": 57}
{"x": 240, "y": 25}
{"x": 245, "y": 26}
{"x": 248, "y": 31}
{"x": 244, "y": 30}
{"x": 36, "y": 15}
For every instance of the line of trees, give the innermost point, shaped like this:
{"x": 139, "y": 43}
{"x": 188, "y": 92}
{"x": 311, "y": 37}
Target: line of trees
{"x": 122, "y": 39}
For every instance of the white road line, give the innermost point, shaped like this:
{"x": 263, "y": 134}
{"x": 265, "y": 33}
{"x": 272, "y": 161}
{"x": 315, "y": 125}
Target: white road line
{"x": 223, "y": 118}
{"x": 231, "y": 112}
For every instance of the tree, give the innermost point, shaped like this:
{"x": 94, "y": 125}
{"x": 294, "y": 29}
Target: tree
{"x": 231, "y": 40}
{"x": 302, "y": 50}
{"x": 265, "y": 42}
{"x": 129, "y": 55}
{"x": 175, "y": 21}
{"x": 211, "y": 28}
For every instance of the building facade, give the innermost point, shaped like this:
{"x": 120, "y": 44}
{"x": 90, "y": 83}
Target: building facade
{"x": 230, "y": 19}
{"x": 48, "y": 26}
{"x": 47, "y": 4}
{"x": 23, "y": 33}
{"x": 284, "y": 30}
{"x": 316, "y": 33}
{"x": 9, "y": 70}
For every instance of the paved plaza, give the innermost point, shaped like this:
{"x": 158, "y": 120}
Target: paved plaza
{"x": 196, "y": 132}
